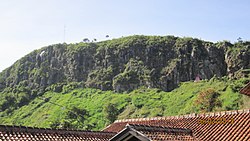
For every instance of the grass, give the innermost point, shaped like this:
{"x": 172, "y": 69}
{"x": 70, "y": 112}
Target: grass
{"x": 142, "y": 102}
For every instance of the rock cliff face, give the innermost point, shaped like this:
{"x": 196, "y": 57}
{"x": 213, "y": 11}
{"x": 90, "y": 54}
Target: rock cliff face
{"x": 127, "y": 63}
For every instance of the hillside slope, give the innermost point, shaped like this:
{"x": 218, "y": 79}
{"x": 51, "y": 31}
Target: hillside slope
{"x": 93, "y": 108}
{"x": 127, "y": 63}
{"x": 88, "y": 85}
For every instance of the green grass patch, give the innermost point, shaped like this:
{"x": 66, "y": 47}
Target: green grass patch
{"x": 141, "y": 102}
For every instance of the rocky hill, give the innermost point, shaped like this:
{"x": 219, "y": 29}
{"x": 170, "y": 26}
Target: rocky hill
{"x": 127, "y": 63}
{"x": 82, "y": 85}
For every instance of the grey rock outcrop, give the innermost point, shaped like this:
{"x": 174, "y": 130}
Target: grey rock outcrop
{"x": 128, "y": 63}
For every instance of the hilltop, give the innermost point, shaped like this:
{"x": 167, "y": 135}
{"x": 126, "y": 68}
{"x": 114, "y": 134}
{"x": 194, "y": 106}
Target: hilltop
{"x": 135, "y": 76}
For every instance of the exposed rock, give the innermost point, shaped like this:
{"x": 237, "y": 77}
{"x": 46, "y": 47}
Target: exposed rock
{"x": 127, "y": 63}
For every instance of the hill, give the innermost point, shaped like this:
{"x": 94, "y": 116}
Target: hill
{"x": 88, "y": 108}
{"x": 88, "y": 85}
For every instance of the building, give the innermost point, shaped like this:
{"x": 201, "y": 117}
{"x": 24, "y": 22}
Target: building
{"x": 246, "y": 90}
{"x": 219, "y": 126}
{"x": 227, "y": 125}
{"x": 21, "y": 133}
{"x": 216, "y": 126}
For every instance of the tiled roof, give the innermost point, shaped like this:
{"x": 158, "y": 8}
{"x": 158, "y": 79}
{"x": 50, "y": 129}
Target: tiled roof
{"x": 219, "y": 126}
{"x": 14, "y": 133}
{"x": 246, "y": 90}
{"x": 155, "y": 133}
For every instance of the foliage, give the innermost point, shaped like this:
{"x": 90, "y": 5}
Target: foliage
{"x": 74, "y": 119}
{"x": 71, "y": 86}
{"x": 89, "y": 79}
{"x": 207, "y": 100}
{"x": 96, "y": 108}
{"x": 101, "y": 78}
{"x": 102, "y": 64}
{"x": 134, "y": 75}
{"x": 110, "y": 112}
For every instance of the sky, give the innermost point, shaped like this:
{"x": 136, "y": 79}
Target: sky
{"x": 26, "y": 25}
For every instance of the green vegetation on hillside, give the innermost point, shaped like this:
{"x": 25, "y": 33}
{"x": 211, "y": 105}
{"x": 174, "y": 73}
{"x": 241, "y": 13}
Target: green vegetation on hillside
{"x": 89, "y": 85}
{"x": 87, "y": 108}
{"x": 127, "y": 63}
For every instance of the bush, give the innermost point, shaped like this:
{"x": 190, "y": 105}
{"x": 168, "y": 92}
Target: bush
{"x": 74, "y": 119}
{"x": 138, "y": 102}
{"x": 111, "y": 112}
{"x": 23, "y": 99}
{"x": 207, "y": 100}
{"x": 8, "y": 102}
{"x": 71, "y": 86}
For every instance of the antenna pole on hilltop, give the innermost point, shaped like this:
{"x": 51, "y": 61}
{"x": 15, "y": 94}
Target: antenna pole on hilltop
{"x": 64, "y": 32}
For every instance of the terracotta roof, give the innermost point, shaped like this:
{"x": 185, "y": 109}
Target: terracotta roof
{"x": 246, "y": 90}
{"x": 227, "y": 125}
{"x": 222, "y": 126}
{"x": 153, "y": 133}
{"x": 14, "y": 133}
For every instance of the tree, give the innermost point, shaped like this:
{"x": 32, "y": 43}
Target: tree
{"x": 86, "y": 40}
{"x": 8, "y": 103}
{"x": 55, "y": 124}
{"x": 75, "y": 113}
{"x": 111, "y": 112}
{"x": 239, "y": 40}
{"x": 75, "y": 119}
{"x": 207, "y": 100}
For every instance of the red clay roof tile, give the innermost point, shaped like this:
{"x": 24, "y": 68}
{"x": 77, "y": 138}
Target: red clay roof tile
{"x": 153, "y": 133}
{"x": 12, "y": 133}
{"x": 158, "y": 133}
{"x": 228, "y": 125}
{"x": 246, "y": 90}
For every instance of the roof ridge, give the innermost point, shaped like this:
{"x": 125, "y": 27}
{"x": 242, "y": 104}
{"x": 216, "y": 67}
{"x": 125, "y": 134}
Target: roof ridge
{"x": 13, "y": 128}
{"x": 186, "y": 116}
{"x": 158, "y": 128}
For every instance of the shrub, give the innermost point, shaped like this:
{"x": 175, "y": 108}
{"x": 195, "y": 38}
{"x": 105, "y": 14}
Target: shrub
{"x": 111, "y": 112}
{"x": 207, "y": 100}
{"x": 74, "y": 119}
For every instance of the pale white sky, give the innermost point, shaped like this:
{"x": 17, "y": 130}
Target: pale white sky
{"x": 26, "y": 25}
